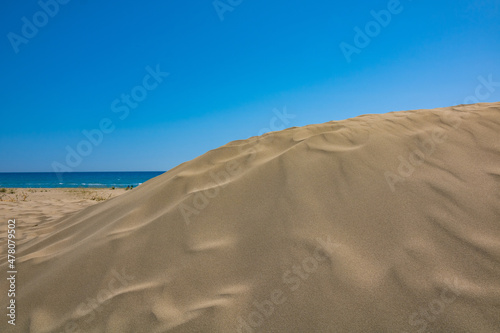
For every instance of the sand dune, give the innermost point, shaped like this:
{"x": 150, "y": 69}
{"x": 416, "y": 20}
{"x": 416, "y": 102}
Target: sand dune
{"x": 380, "y": 223}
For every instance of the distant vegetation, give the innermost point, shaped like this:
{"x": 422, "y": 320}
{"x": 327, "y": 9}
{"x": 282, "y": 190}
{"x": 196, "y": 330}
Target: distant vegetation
{"x": 97, "y": 197}
{"x": 23, "y": 196}
{"x": 89, "y": 194}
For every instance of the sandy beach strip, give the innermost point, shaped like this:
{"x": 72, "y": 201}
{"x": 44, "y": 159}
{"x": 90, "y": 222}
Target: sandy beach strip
{"x": 38, "y": 209}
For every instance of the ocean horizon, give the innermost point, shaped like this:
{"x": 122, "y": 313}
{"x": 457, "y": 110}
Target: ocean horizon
{"x": 94, "y": 179}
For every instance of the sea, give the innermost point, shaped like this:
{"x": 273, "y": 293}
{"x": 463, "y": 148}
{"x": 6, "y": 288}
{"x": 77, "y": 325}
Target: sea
{"x": 75, "y": 179}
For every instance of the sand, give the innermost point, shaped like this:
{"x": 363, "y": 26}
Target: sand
{"x": 39, "y": 209}
{"x": 380, "y": 223}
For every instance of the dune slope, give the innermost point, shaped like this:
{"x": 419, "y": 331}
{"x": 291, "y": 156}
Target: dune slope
{"x": 380, "y": 223}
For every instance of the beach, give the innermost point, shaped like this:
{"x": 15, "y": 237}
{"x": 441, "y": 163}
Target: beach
{"x": 38, "y": 209}
{"x": 378, "y": 223}
{"x": 234, "y": 166}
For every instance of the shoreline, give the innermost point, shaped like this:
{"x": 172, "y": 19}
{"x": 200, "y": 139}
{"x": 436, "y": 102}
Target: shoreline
{"x": 95, "y": 180}
{"x": 112, "y": 187}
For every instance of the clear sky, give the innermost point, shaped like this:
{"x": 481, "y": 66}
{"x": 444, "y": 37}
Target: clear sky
{"x": 80, "y": 65}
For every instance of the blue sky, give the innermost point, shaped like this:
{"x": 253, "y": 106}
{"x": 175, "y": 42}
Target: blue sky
{"x": 226, "y": 78}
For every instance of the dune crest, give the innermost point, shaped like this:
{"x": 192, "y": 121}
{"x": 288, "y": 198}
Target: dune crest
{"x": 379, "y": 223}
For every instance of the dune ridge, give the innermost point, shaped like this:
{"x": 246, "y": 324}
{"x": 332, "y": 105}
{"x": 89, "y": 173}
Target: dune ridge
{"x": 379, "y": 223}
